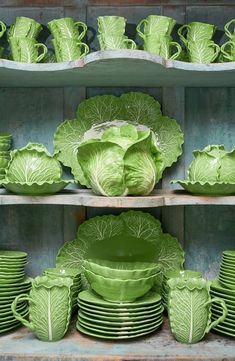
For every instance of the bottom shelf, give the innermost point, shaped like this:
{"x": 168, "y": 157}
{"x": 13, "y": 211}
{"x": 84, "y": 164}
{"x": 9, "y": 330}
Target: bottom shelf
{"x": 21, "y": 345}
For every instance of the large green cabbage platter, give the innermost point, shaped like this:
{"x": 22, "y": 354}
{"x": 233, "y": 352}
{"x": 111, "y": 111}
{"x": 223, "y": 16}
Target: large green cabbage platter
{"x": 33, "y": 170}
{"x": 94, "y": 116}
{"x": 212, "y": 172}
{"x": 132, "y": 236}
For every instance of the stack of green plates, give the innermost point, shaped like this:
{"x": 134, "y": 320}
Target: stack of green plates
{"x": 227, "y": 327}
{"x": 113, "y": 320}
{"x": 12, "y": 284}
{"x": 227, "y": 270}
{"x": 5, "y": 145}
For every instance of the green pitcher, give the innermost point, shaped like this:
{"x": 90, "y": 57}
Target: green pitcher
{"x": 155, "y": 24}
{"x": 196, "y": 31}
{"x": 27, "y": 50}
{"x": 189, "y": 309}
{"x": 115, "y": 42}
{"x": 228, "y": 54}
{"x": 67, "y": 28}
{"x": 111, "y": 25}
{"x": 230, "y": 34}
{"x": 162, "y": 46}
{"x": 2, "y": 28}
{"x": 49, "y": 307}
{"x": 25, "y": 28}
{"x": 69, "y": 49}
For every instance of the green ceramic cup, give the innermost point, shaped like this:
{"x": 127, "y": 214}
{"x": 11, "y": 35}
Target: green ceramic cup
{"x": 189, "y": 309}
{"x": 2, "y": 28}
{"x": 25, "y": 28}
{"x": 230, "y": 34}
{"x": 67, "y": 49}
{"x": 203, "y": 52}
{"x": 196, "y": 31}
{"x": 163, "y": 46}
{"x": 111, "y": 25}
{"x": 228, "y": 50}
{"x": 67, "y": 28}
{"x": 49, "y": 307}
{"x": 115, "y": 42}
{"x": 155, "y": 24}
{"x": 27, "y": 50}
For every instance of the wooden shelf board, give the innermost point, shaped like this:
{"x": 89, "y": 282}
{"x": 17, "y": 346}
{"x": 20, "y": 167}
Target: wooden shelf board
{"x": 117, "y": 68}
{"x": 81, "y": 197}
{"x": 21, "y": 345}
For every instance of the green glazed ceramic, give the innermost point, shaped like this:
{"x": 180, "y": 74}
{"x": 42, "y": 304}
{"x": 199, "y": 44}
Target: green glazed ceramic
{"x": 2, "y": 28}
{"x": 112, "y": 42}
{"x": 228, "y": 267}
{"x": 25, "y": 28}
{"x": 228, "y": 50}
{"x": 5, "y": 136}
{"x": 4, "y": 146}
{"x": 155, "y": 24}
{"x": 230, "y": 33}
{"x": 202, "y": 52}
{"x": 111, "y": 25}
{"x": 207, "y": 188}
{"x": 196, "y": 32}
{"x": 226, "y": 283}
{"x": 189, "y": 309}
{"x": 229, "y": 254}
{"x": 49, "y": 307}
{"x": 7, "y": 329}
{"x": 36, "y": 188}
{"x": 67, "y": 28}
{"x": 8, "y": 311}
{"x": 162, "y": 46}
{"x": 121, "y": 270}
{"x": 4, "y": 162}
{"x": 227, "y": 273}
{"x": 69, "y": 49}
{"x": 12, "y": 255}
{"x": 115, "y": 290}
{"x": 216, "y": 285}
{"x": 27, "y": 50}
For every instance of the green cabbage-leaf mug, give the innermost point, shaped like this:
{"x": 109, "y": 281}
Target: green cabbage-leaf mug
{"x": 69, "y": 49}
{"x": 155, "y": 24}
{"x": 25, "y": 28}
{"x": 203, "y": 52}
{"x": 27, "y": 50}
{"x": 196, "y": 31}
{"x": 115, "y": 42}
{"x": 189, "y": 309}
{"x": 67, "y": 28}
{"x": 2, "y": 28}
{"x": 111, "y": 25}
{"x": 162, "y": 46}
{"x": 49, "y": 307}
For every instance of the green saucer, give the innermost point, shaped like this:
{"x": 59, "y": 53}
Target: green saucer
{"x": 10, "y": 328}
{"x": 9, "y": 312}
{"x": 9, "y": 320}
{"x": 227, "y": 284}
{"x": 222, "y": 332}
{"x": 227, "y": 322}
{"x": 218, "y": 308}
{"x": 229, "y": 254}
{"x": 221, "y": 295}
{"x": 89, "y": 296}
{"x": 12, "y": 254}
{"x": 217, "y": 286}
{"x": 100, "y": 335}
{"x": 226, "y": 329}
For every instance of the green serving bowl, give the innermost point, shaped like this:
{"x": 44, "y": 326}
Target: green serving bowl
{"x": 117, "y": 290}
{"x": 122, "y": 270}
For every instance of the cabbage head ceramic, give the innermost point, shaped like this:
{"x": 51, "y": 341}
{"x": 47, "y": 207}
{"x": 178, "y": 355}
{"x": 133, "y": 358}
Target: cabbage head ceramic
{"x": 122, "y": 270}
{"x": 117, "y": 290}
{"x": 196, "y": 32}
{"x": 155, "y": 24}
{"x": 189, "y": 309}
{"x": 49, "y": 307}
{"x": 25, "y": 27}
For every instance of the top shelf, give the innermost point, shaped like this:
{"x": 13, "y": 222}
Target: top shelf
{"x": 117, "y": 68}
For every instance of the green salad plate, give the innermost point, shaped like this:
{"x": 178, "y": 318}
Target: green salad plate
{"x": 207, "y": 188}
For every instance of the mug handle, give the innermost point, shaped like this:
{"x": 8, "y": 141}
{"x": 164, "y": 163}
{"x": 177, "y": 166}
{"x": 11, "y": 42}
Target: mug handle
{"x": 217, "y": 51}
{"x": 182, "y": 31}
{"x": 144, "y": 21}
{"x": 86, "y": 50}
{"x": 223, "y": 51}
{"x": 226, "y": 28}
{"x": 84, "y": 27}
{"x": 221, "y": 318}
{"x": 44, "y": 51}
{"x": 178, "y": 50}
{"x": 23, "y": 297}
{"x": 3, "y": 28}
{"x": 130, "y": 42}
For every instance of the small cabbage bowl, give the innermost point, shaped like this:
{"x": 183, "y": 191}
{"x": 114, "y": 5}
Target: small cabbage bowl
{"x": 122, "y": 270}
{"x": 117, "y": 290}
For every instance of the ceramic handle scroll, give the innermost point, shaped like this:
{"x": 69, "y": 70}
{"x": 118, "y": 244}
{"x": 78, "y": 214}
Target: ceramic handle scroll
{"x": 144, "y": 21}
{"x": 44, "y": 51}
{"x": 226, "y": 28}
{"x": 182, "y": 33}
{"x": 217, "y": 51}
{"x": 23, "y": 297}
{"x": 223, "y": 51}
{"x": 84, "y": 29}
{"x": 221, "y": 318}
{"x": 178, "y": 50}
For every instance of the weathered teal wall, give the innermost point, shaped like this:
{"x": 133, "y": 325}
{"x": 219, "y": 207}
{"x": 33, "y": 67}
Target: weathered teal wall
{"x": 206, "y": 115}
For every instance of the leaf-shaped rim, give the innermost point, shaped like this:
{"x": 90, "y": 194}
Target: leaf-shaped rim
{"x": 207, "y": 188}
{"x": 62, "y": 181}
{"x": 101, "y": 108}
{"x": 36, "y": 188}
{"x": 138, "y": 224}
{"x": 189, "y": 283}
{"x": 48, "y": 282}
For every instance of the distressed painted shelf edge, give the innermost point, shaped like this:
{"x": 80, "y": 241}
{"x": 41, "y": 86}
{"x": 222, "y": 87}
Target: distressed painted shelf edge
{"x": 117, "y": 68}
{"x": 82, "y": 197}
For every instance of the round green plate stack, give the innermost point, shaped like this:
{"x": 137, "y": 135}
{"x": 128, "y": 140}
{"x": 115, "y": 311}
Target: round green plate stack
{"x": 12, "y": 283}
{"x": 115, "y": 320}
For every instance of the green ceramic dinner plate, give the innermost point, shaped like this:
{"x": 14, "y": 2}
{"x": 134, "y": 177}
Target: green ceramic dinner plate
{"x": 227, "y": 322}
{"x": 11, "y": 319}
{"x": 226, "y": 275}
{"x": 9, "y": 311}
{"x": 207, "y": 188}
{"x": 227, "y": 284}
{"x": 10, "y": 328}
{"x": 228, "y": 270}
{"x": 12, "y": 254}
{"x": 89, "y": 297}
{"x": 229, "y": 254}
{"x": 120, "y": 330}
{"x": 226, "y": 329}
{"x": 115, "y": 337}
{"x": 11, "y": 274}
{"x": 217, "y": 286}
{"x": 218, "y": 308}
{"x": 9, "y": 292}
{"x": 17, "y": 285}
{"x": 221, "y": 295}
{"x": 107, "y": 312}
{"x": 222, "y": 332}
{"x": 119, "y": 310}
{"x": 226, "y": 279}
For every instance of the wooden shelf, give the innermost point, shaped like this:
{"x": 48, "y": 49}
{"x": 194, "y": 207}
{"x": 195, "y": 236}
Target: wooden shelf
{"x": 117, "y": 68}
{"x": 81, "y": 197}
{"x": 21, "y": 345}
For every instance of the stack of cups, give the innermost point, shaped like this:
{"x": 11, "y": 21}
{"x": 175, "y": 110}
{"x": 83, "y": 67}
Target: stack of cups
{"x": 228, "y": 49}
{"x": 112, "y": 33}
{"x": 22, "y": 39}
{"x": 67, "y": 35}
{"x": 2, "y": 31}
{"x": 5, "y": 145}
{"x": 156, "y": 31}
{"x": 197, "y": 37}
